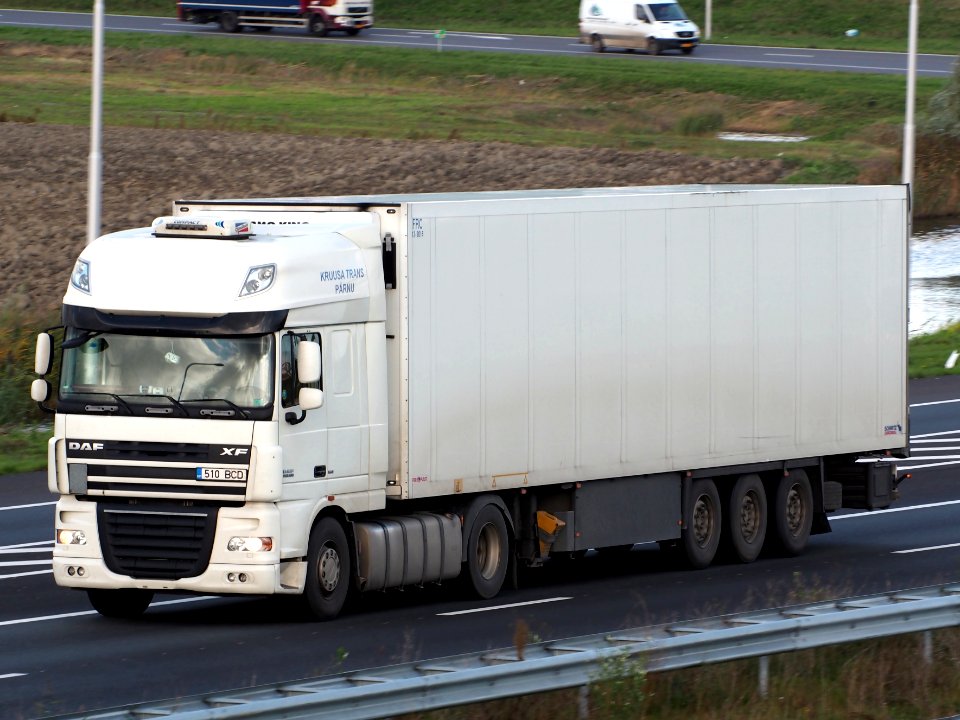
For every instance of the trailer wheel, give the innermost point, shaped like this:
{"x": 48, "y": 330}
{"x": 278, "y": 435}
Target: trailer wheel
{"x": 653, "y": 47}
{"x": 702, "y": 535}
{"x": 747, "y": 517}
{"x": 328, "y": 569}
{"x": 124, "y": 604}
{"x": 488, "y": 550}
{"x": 229, "y": 21}
{"x": 596, "y": 41}
{"x": 316, "y": 25}
{"x": 793, "y": 512}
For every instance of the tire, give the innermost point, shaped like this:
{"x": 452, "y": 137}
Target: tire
{"x": 263, "y": 28}
{"x": 328, "y": 569}
{"x": 229, "y": 21}
{"x": 353, "y": 32}
{"x": 687, "y": 51}
{"x": 653, "y": 47}
{"x": 316, "y": 26}
{"x": 793, "y": 512}
{"x": 747, "y": 518}
{"x": 596, "y": 41}
{"x": 125, "y": 604}
{"x": 701, "y": 538}
{"x": 488, "y": 553}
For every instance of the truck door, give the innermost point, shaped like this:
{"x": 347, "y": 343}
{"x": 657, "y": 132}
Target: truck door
{"x": 303, "y": 435}
{"x": 345, "y": 402}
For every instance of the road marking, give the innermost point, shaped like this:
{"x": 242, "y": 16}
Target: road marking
{"x": 18, "y": 563}
{"x": 935, "y": 402}
{"x": 61, "y": 616}
{"x": 32, "y": 505}
{"x": 12, "y": 675}
{"x": 868, "y": 513}
{"x": 504, "y": 607}
{"x": 936, "y": 434}
{"x": 17, "y": 551}
{"x": 901, "y": 461}
{"x": 26, "y": 574}
{"x": 789, "y": 55}
{"x": 29, "y": 544}
{"x": 928, "y": 465}
{"x": 924, "y": 549}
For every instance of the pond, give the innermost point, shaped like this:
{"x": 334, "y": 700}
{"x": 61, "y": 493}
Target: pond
{"x": 934, "y": 275}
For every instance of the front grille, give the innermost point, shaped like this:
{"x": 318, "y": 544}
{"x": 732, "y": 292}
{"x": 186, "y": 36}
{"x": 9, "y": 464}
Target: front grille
{"x": 685, "y": 34}
{"x": 156, "y": 542}
{"x": 358, "y": 9}
{"x": 153, "y": 481}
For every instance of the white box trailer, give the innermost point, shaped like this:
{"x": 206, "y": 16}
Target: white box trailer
{"x": 508, "y": 376}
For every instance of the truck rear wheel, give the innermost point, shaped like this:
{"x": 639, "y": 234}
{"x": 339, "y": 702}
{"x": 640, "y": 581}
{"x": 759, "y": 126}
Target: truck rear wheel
{"x": 316, "y": 25}
{"x": 125, "y": 604}
{"x": 701, "y": 537}
{"x": 747, "y": 518}
{"x": 793, "y": 512}
{"x": 229, "y": 21}
{"x": 488, "y": 549}
{"x": 328, "y": 569}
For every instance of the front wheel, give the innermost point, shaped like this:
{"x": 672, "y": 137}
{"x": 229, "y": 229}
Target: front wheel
{"x": 702, "y": 536}
{"x": 793, "y": 512}
{"x": 687, "y": 50}
{"x": 125, "y": 604}
{"x": 598, "y": 44}
{"x": 653, "y": 47}
{"x": 353, "y": 32}
{"x": 328, "y": 569}
{"x": 488, "y": 548}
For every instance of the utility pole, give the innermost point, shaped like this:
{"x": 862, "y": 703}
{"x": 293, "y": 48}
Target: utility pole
{"x": 909, "y": 130}
{"x": 95, "y": 161}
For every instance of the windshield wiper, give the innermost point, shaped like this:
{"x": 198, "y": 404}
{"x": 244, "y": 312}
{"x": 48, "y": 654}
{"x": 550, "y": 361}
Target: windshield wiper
{"x": 243, "y": 413}
{"x": 82, "y": 339}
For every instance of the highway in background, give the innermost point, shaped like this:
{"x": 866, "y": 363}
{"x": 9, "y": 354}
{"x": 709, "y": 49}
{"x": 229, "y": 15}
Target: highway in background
{"x": 60, "y": 657}
{"x": 717, "y": 54}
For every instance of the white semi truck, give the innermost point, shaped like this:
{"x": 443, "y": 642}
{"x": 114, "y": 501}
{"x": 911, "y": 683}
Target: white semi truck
{"x": 323, "y": 396}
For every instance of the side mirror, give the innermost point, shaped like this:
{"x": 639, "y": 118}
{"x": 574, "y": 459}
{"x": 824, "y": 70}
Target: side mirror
{"x": 308, "y": 362}
{"x": 310, "y": 398}
{"x": 39, "y": 390}
{"x": 44, "y": 355}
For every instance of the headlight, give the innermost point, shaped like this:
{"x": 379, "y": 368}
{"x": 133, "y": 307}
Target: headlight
{"x": 71, "y": 537}
{"x": 250, "y": 544}
{"x": 80, "y": 278}
{"x": 259, "y": 279}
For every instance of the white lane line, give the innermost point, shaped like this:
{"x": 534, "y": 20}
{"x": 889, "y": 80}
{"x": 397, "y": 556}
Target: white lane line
{"x": 32, "y": 505}
{"x": 61, "y": 616}
{"x": 12, "y": 675}
{"x": 504, "y": 607}
{"x": 928, "y": 465}
{"x": 20, "y": 563}
{"x": 17, "y": 551}
{"x": 902, "y": 461}
{"x": 26, "y": 574}
{"x": 869, "y": 513}
{"x": 925, "y": 549}
{"x": 29, "y": 544}
{"x": 936, "y": 434}
{"x": 933, "y": 442}
{"x": 935, "y": 402}
{"x": 788, "y": 55}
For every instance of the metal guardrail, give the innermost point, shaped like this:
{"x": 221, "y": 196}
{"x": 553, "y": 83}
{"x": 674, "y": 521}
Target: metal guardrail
{"x": 575, "y": 662}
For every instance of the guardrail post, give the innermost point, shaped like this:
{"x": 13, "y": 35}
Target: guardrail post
{"x": 764, "y": 679}
{"x": 583, "y": 703}
{"x": 928, "y": 647}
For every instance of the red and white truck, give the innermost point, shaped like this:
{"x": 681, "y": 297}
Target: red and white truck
{"x": 318, "y": 17}
{"x": 318, "y": 395}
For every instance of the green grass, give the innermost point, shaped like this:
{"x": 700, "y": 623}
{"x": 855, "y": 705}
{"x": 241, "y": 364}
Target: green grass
{"x": 929, "y": 353}
{"x": 23, "y": 450}
{"x": 882, "y": 24}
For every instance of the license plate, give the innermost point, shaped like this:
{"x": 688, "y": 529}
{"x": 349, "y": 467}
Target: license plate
{"x": 222, "y": 473}
{"x": 686, "y": 44}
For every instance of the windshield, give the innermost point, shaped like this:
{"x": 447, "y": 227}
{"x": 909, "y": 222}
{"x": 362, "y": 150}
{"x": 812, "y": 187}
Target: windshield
{"x": 189, "y": 376}
{"x": 667, "y": 11}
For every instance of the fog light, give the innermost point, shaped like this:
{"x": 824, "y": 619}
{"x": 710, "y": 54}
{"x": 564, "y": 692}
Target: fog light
{"x": 71, "y": 537}
{"x": 231, "y": 577}
{"x": 250, "y": 544}
{"x": 243, "y": 577}
{"x": 81, "y": 572}
{"x": 71, "y": 571}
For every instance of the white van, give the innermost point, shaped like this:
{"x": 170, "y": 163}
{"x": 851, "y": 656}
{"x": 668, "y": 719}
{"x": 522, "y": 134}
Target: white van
{"x": 653, "y": 25}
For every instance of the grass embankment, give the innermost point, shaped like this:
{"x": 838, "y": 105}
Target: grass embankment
{"x": 882, "y": 24}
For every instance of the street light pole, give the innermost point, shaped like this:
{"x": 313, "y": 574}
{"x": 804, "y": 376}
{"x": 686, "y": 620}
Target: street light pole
{"x": 708, "y": 21}
{"x": 95, "y": 160}
{"x": 909, "y": 130}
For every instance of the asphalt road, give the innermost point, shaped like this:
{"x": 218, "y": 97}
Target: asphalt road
{"x": 767, "y": 57}
{"x": 60, "y": 657}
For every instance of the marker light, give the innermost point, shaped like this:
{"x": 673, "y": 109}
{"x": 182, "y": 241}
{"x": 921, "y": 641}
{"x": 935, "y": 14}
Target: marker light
{"x": 250, "y": 544}
{"x": 80, "y": 278}
{"x": 259, "y": 279}
{"x": 71, "y": 537}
